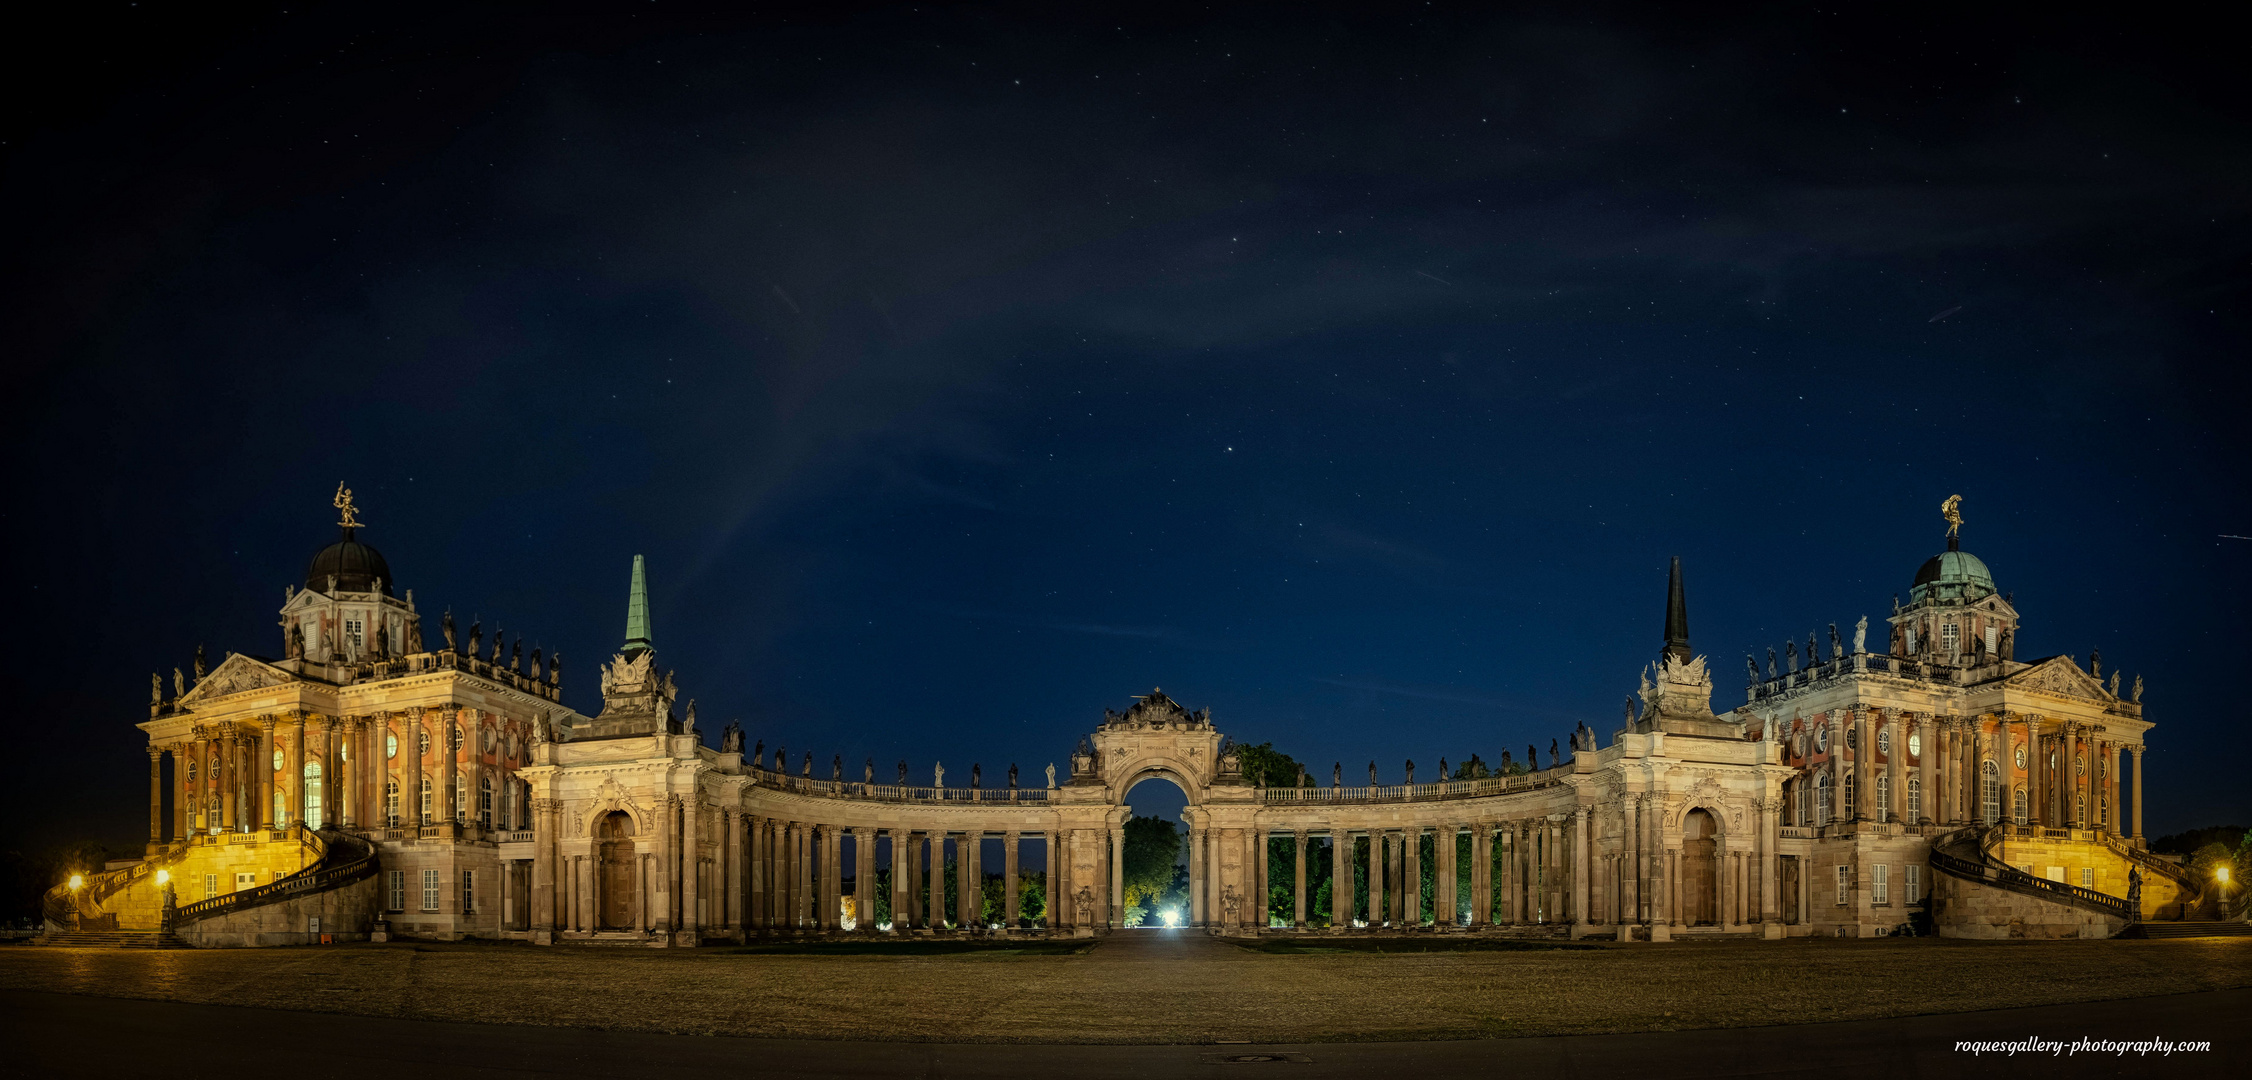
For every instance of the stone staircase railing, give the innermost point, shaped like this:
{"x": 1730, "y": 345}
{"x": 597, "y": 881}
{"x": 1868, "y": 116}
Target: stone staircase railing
{"x": 340, "y": 859}
{"x": 70, "y": 909}
{"x": 1969, "y": 854}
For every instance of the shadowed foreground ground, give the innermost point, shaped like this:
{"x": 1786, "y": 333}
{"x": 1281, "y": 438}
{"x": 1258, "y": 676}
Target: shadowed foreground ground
{"x": 1152, "y": 988}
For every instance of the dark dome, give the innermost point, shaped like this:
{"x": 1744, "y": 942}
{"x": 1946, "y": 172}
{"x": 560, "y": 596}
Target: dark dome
{"x": 357, "y": 567}
{"x": 1953, "y": 575}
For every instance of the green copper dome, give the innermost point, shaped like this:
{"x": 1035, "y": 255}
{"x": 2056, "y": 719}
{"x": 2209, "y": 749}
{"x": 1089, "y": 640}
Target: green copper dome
{"x": 1953, "y": 575}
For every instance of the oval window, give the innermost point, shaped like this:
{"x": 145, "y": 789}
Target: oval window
{"x": 390, "y": 745}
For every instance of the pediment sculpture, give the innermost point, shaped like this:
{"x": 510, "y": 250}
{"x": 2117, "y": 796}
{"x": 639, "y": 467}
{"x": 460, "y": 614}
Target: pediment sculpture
{"x": 233, "y": 676}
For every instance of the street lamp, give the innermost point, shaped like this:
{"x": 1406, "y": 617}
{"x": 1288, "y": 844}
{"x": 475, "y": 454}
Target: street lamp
{"x": 76, "y": 881}
{"x": 163, "y": 876}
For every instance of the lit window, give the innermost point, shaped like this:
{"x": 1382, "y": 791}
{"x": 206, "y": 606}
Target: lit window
{"x": 461, "y": 801}
{"x": 1845, "y": 884}
{"x": 1880, "y": 884}
{"x": 430, "y": 890}
{"x": 1884, "y": 796}
{"x": 277, "y": 760}
{"x": 312, "y": 794}
{"x": 390, "y": 745}
{"x": 397, "y": 880}
{"x": 426, "y": 807}
{"x": 281, "y": 805}
{"x": 1911, "y": 639}
{"x": 1915, "y": 798}
{"x": 422, "y": 742}
{"x": 1990, "y": 793}
{"x": 391, "y": 802}
{"x": 210, "y": 886}
{"x": 2087, "y": 877}
{"x": 2017, "y": 804}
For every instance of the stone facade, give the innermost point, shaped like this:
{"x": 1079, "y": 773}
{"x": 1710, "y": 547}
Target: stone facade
{"x": 496, "y": 811}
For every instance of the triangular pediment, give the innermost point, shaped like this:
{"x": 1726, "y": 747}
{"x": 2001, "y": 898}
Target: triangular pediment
{"x": 2061, "y": 676}
{"x": 233, "y": 676}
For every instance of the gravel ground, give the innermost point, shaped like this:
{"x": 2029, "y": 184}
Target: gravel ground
{"x": 1151, "y": 989}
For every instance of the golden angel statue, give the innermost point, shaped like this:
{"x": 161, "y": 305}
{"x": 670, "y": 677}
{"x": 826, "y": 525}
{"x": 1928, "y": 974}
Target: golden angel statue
{"x": 1952, "y": 510}
{"x": 344, "y": 502}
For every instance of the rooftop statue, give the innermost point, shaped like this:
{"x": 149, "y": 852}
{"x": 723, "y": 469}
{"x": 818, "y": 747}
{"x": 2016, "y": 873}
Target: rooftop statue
{"x": 1952, "y": 510}
{"x": 343, "y": 502}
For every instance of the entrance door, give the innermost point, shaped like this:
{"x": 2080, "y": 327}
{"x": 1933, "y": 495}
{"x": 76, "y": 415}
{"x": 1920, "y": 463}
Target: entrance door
{"x": 1699, "y": 842}
{"x": 620, "y": 876}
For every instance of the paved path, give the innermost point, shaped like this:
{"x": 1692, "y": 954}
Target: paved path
{"x": 66, "y": 1035}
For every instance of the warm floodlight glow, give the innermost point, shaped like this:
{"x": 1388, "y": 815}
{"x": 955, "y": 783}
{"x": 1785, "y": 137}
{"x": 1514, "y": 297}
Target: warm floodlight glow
{"x": 1172, "y": 917}
{"x": 2223, "y": 874}
{"x": 77, "y": 880}
{"x": 163, "y": 876}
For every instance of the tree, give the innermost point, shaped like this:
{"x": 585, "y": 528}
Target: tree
{"x": 1265, "y": 764}
{"x": 1153, "y": 847}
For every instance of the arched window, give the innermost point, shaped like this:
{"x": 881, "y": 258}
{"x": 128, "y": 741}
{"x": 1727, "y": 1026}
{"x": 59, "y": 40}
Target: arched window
{"x": 507, "y": 804}
{"x": 312, "y": 794}
{"x": 485, "y": 802}
{"x": 1915, "y": 798}
{"x": 426, "y": 806}
{"x": 2080, "y": 810}
{"x": 2017, "y": 804}
{"x": 422, "y": 741}
{"x": 191, "y": 772}
{"x": 461, "y": 802}
{"x": 391, "y": 802}
{"x": 2103, "y": 812}
{"x": 1852, "y": 808}
{"x": 281, "y": 805}
{"x": 1822, "y": 799}
{"x": 1990, "y": 793}
{"x": 1884, "y": 796}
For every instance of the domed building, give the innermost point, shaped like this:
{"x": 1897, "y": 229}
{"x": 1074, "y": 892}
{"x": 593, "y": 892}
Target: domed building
{"x": 371, "y": 783}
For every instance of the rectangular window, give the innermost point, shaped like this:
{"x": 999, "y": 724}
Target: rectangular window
{"x": 1880, "y": 884}
{"x": 1845, "y": 884}
{"x": 2056, "y": 874}
{"x": 210, "y": 886}
{"x": 1915, "y": 884}
{"x": 430, "y": 890}
{"x": 1991, "y": 637}
{"x": 352, "y": 632}
{"x": 2087, "y": 877}
{"x": 246, "y": 881}
{"x": 468, "y": 891}
{"x": 1948, "y": 639}
{"x": 398, "y": 890}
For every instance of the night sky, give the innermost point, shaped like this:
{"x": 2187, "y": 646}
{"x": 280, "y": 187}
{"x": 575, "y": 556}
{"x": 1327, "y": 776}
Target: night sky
{"x": 963, "y": 372}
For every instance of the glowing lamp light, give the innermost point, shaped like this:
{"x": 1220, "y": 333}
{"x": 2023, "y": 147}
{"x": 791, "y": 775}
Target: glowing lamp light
{"x": 77, "y": 881}
{"x": 2223, "y": 874}
{"x": 1172, "y": 916}
{"x": 163, "y": 876}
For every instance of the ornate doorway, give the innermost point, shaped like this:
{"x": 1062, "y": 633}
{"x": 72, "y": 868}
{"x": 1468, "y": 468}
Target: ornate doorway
{"x": 1700, "y": 841}
{"x": 620, "y": 875}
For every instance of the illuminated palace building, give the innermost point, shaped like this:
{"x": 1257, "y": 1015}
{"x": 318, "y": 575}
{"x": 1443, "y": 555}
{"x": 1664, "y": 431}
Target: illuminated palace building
{"x": 379, "y": 780}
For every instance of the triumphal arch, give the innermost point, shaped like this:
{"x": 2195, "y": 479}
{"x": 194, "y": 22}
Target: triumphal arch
{"x": 375, "y": 780}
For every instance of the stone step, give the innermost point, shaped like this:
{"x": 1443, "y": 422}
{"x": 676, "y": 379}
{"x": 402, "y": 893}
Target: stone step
{"x": 114, "y": 939}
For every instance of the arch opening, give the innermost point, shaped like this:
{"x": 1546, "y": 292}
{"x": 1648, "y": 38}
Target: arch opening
{"x": 1156, "y": 854}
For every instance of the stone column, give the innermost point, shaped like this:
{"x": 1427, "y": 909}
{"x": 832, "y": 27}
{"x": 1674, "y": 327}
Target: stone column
{"x": 1896, "y": 769}
{"x": 1928, "y": 749}
{"x": 2137, "y": 750}
{"x": 901, "y": 915}
{"x": 661, "y": 875}
{"x": 1579, "y": 866}
{"x": 1443, "y": 876}
{"x": 228, "y": 742}
{"x": 1770, "y": 864}
{"x": 1411, "y": 875}
{"x": 1196, "y": 874}
{"x": 2083, "y": 779}
{"x": 328, "y": 776}
{"x": 1050, "y": 879}
{"x": 692, "y": 864}
{"x": 1864, "y": 771}
{"x": 1009, "y": 867}
{"x": 1117, "y": 859}
{"x": 182, "y": 797}
{"x": 262, "y": 791}
{"x": 544, "y": 837}
{"x": 1379, "y": 850}
{"x": 1340, "y": 878}
{"x": 1298, "y": 897}
{"x": 410, "y": 796}
{"x": 1837, "y": 765}
{"x": 156, "y": 797}
{"x": 732, "y": 876}
{"x": 918, "y": 913}
{"x": 1977, "y": 771}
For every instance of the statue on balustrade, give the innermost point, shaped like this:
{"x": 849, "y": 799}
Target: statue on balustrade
{"x": 868, "y": 770}
{"x": 1337, "y": 775}
{"x": 977, "y": 776}
{"x": 1411, "y": 772}
{"x": 476, "y": 636}
{"x": 1012, "y": 776}
{"x": 938, "y": 774}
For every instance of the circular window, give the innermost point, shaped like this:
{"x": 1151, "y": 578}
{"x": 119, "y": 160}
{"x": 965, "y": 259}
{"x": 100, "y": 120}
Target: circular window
{"x": 277, "y": 760}
{"x": 2021, "y": 757}
{"x": 344, "y": 750}
{"x": 1916, "y": 745}
{"x": 1852, "y": 739}
{"x": 422, "y": 742}
{"x": 1884, "y": 741}
{"x": 1821, "y": 738}
{"x": 390, "y": 745}
{"x": 453, "y": 737}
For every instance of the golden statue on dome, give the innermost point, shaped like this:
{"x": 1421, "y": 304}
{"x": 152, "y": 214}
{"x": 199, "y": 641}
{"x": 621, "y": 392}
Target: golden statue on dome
{"x": 1952, "y": 510}
{"x": 344, "y": 502}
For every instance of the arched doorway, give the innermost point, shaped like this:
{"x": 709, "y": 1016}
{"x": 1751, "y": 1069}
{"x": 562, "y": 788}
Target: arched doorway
{"x": 620, "y": 875}
{"x": 1155, "y": 859}
{"x": 1700, "y": 844}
